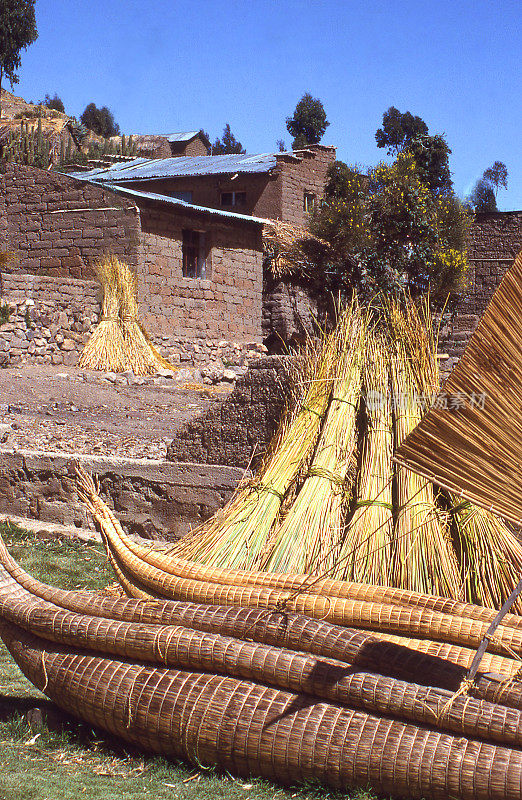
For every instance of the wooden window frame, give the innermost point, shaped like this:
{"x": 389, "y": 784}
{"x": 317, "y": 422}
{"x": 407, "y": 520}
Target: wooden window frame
{"x": 195, "y": 254}
{"x": 309, "y": 202}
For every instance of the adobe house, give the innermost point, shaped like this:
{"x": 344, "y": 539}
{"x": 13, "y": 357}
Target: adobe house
{"x": 184, "y": 143}
{"x": 200, "y": 270}
{"x": 282, "y": 186}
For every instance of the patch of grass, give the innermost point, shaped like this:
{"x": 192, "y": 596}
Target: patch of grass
{"x": 5, "y": 313}
{"x": 65, "y": 759}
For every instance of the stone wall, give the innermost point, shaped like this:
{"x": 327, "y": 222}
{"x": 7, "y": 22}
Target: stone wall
{"x": 494, "y": 240}
{"x": 50, "y": 319}
{"x": 239, "y": 430}
{"x": 155, "y": 499}
{"x": 225, "y": 306}
{"x": 59, "y": 226}
{"x": 291, "y": 312}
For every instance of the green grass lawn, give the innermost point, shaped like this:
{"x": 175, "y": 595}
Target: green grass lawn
{"x": 66, "y": 759}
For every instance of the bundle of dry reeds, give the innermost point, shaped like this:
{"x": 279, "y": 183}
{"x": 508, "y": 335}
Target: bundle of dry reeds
{"x": 290, "y": 250}
{"x": 312, "y": 529}
{"x": 119, "y": 342}
{"x": 238, "y": 535}
{"x": 366, "y": 550}
{"x": 106, "y": 349}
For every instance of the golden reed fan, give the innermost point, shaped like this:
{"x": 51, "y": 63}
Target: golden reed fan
{"x": 474, "y": 446}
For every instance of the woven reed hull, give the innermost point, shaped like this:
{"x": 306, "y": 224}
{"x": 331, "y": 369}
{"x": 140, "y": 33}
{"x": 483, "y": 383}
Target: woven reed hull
{"x": 145, "y": 571}
{"x": 426, "y": 662}
{"x": 251, "y": 729}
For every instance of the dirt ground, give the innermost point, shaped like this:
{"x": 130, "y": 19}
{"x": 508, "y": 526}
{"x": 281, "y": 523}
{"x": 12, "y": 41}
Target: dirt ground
{"x": 73, "y": 410}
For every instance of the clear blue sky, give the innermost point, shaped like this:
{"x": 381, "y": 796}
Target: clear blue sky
{"x": 168, "y": 65}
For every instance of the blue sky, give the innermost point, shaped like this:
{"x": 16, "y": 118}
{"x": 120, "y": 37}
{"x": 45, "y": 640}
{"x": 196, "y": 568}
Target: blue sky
{"x": 168, "y": 65}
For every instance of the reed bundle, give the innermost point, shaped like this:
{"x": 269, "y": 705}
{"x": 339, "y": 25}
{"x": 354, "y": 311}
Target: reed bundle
{"x": 491, "y": 556}
{"x": 474, "y": 446}
{"x": 366, "y": 550}
{"x": 291, "y": 250}
{"x": 119, "y": 342}
{"x": 313, "y": 527}
{"x": 423, "y": 557}
{"x": 237, "y": 535}
{"x": 106, "y": 349}
{"x": 142, "y": 355}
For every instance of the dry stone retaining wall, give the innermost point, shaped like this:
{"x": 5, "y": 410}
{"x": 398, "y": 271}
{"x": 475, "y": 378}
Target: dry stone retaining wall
{"x": 50, "y": 319}
{"x": 239, "y": 430}
{"x": 155, "y": 499}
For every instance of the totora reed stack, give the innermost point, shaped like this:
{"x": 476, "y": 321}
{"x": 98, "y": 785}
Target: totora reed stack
{"x": 119, "y": 343}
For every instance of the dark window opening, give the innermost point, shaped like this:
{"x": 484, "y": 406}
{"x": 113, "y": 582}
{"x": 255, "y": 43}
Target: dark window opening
{"x": 233, "y": 199}
{"x": 309, "y": 202}
{"x": 194, "y": 254}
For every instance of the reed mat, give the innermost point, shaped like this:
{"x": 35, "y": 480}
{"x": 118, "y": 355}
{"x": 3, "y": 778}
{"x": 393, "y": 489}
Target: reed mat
{"x": 474, "y": 446}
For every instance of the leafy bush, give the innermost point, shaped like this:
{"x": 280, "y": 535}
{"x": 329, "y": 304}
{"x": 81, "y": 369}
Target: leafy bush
{"x": 389, "y": 231}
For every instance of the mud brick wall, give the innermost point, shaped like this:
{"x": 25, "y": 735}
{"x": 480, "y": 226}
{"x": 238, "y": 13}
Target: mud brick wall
{"x": 194, "y": 148}
{"x": 239, "y": 430}
{"x": 263, "y": 192}
{"x": 226, "y": 305}
{"x": 308, "y": 176}
{"x": 59, "y": 226}
{"x": 494, "y": 240}
{"x": 50, "y": 319}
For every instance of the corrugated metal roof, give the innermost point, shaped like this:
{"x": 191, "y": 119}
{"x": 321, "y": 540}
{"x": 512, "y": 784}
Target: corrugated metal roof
{"x": 185, "y": 136}
{"x": 172, "y": 201}
{"x": 146, "y": 168}
{"x": 92, "y": 174}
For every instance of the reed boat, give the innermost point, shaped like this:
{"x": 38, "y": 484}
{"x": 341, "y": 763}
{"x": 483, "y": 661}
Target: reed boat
{"x": 268, "y": 693}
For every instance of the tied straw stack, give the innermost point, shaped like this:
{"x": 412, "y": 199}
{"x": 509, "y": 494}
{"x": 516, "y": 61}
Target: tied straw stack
{"x": 329, "y": 498}
{"x": 119, "y": 342}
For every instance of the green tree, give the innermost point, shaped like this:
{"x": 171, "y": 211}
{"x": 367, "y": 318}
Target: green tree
{"x": 53, "y": 102}
{"x": 405, "y": 133}
{"x": 100, "y": 120}
{"x": 388, "y": 231}
{"x": 497, "y": 176}
{"x": 308, "y": 123}
{"x": 227, "y": 144}
{"x": 482, "y": 198}
{"x": 17, "y": 31}
{"x": 399, "y": 130}
{"x": 484, "y": 195}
